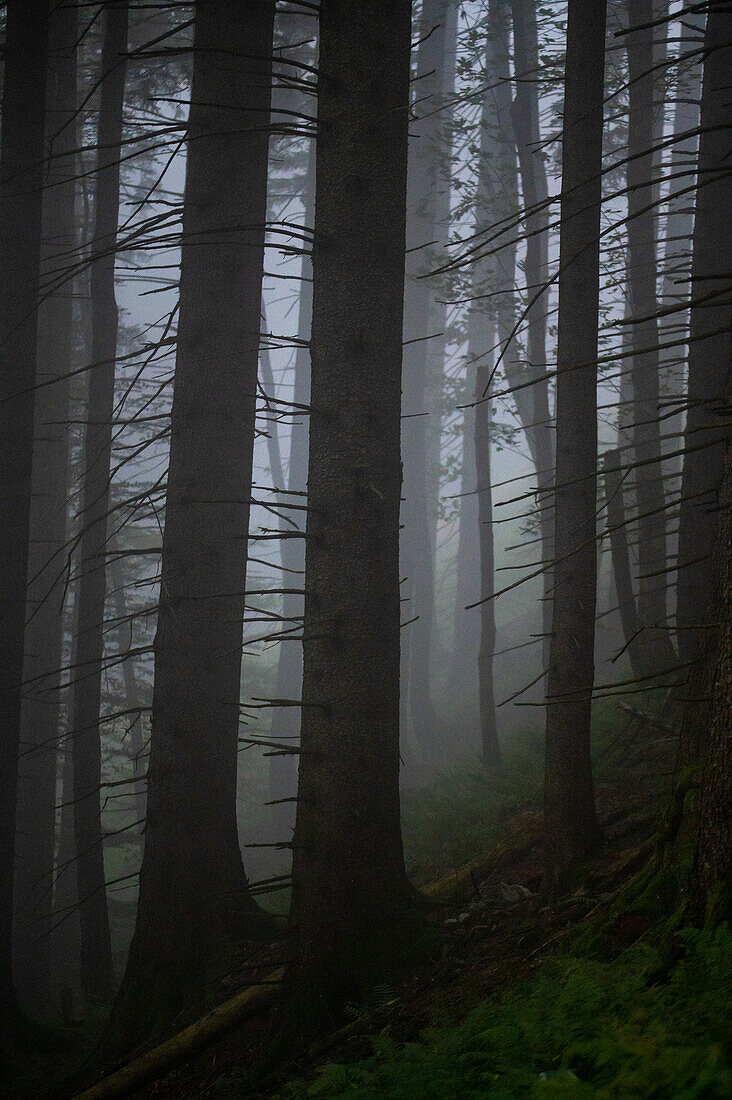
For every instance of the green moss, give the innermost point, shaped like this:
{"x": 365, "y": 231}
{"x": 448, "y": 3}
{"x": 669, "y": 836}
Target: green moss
{"x": 580, "y": 1028}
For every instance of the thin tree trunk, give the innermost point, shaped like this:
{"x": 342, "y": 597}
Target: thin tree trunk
{"x": 527, "y": 131}
{"x": 418, "y": 550}
{"x": 132, "y": 702}
{"x": 709, "y": 348}
{"x": 570, "y": 820}
{"x": 21, "y": 181}
{"x": 41, "y": 710}
{"x": 490, "y": 749}
{"x": 96, "y": 948}
{"x": 655, "y": 647}
{"x": 620, "y": 554}
{"x": 283, "y": 769}
{"x": 350, "y": 900}
{"x": 192, "y": 878}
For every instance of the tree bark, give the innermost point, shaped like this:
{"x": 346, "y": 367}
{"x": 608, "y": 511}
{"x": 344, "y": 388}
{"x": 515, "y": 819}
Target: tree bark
{"x": 418, "y": 548}
{"x": 655, "y": 649}
{"x": 710, "y": 343}
{"x": 570, "y": 819}
{"x": 283, "y": 769}
{"x": 527, "y": 132}
{"x": 350, "y": 904}
{"x": 620, "y": 554}
{"x": 710, "y": 712}
{"x": 41, "y": 710}
{"x": 21, "y": 182}
{"x": 192, "y": 878}
{"x": 96, "y": 948}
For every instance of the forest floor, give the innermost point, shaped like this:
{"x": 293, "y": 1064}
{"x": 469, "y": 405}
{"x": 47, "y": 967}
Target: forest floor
{"x": 591, "y": 996}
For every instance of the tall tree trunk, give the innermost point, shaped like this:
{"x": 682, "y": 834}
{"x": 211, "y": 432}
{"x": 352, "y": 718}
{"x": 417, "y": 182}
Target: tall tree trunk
{"x": 418, "y": 549}
{"x": 132, "y": 702}
{"x": 41, "y": 710}
{"x": 96, "y": 949}
{"x": 709, "y": 347}
{"x": 527, "y": 132}
{"x": 350, "y": 895}
{"x": 655, "y": 647}
{"x": 570, "y": 820}
{"x": 677, "y": 246}
{"x": 192, "y": 878}
{"x": 708, "y": 724}
{"x": 620, "y": 555}
{"x": 283, "y": 768}
{"x": 21, "y": 182}
{"x": 490, "y": 749}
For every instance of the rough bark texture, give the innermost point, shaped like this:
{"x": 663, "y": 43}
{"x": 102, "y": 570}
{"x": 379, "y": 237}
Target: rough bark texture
{"x": 418, "y": 548}
{"x": 96, "y": 950}
{"x": 192, "y": 881}
{"x": 571, "y": 828}
{"x": 712, "y": 879}
{"x": 350, "y": 894}
{"x": 21, "y": 180}
{"x": 41, "y": 710}
{"x": 710, "y": 348}
{"x": 654, "y": 647}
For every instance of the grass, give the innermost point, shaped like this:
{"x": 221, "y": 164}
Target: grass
{"x": 634, "y": 1027}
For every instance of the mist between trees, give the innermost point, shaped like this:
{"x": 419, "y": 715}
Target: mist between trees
{"x": 364, "y": 410}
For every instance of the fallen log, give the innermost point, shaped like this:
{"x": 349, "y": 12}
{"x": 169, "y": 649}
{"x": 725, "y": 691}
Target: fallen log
{"x": 156, "y": 1062}
{"x": 523, "y": 834}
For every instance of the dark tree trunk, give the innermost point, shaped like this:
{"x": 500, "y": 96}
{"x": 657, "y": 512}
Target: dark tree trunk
{"x": 490, "y": 749}
{"x": 709, "y": 348}
{"x": 709, "y": 714}
{"x": 96, "y": 949}
{"x": 192, "y": 879}
{"x": 570, "y": 820}
{"x": 620, "y": 555}
{"x": 133, "y": 703}
{"x": 350, "y": 895}
{"x": 532, "y": 167}
{"x": 418, "y": 549}
{"x": 655, "y": 649}
{"x": 21, "y": 181}
{"x": 41, "y": 710}
{"x": 283, "y": 769}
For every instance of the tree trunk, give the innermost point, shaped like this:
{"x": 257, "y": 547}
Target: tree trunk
{"x": 655, "y": 649}
{"x": 418, "y": 549}
{"x": 620, "y": 554}
{"x": 283, "y": 769}
{"x": 41, "y": 711}
{"x": 350, "y": 902}
{"x": 527, "y": 132}
{"x": 712, "y": 688}
{"x": 96, "y": 949}
{"x": 192, "y": 878}
{"x": 132, "y": 704}
{"x": 570, "y": 820}
{"x": 21, "y": 182}
{"x": 709, "y": 347}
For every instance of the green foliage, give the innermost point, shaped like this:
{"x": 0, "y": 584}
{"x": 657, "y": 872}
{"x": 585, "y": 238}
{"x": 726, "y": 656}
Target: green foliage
{"x": 462, "y": 813}
{"x": 580, "y": 1028}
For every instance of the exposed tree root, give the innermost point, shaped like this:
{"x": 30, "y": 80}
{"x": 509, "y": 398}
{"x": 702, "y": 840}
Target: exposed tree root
{"x": 160, "y": 1059}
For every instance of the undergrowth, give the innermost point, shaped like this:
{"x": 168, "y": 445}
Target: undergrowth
{"x": 633, "y": 1027}
{"x": 462, "y": 812}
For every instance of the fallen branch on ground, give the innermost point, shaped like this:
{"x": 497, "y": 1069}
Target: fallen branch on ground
{"x": 156, "y": 1062}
